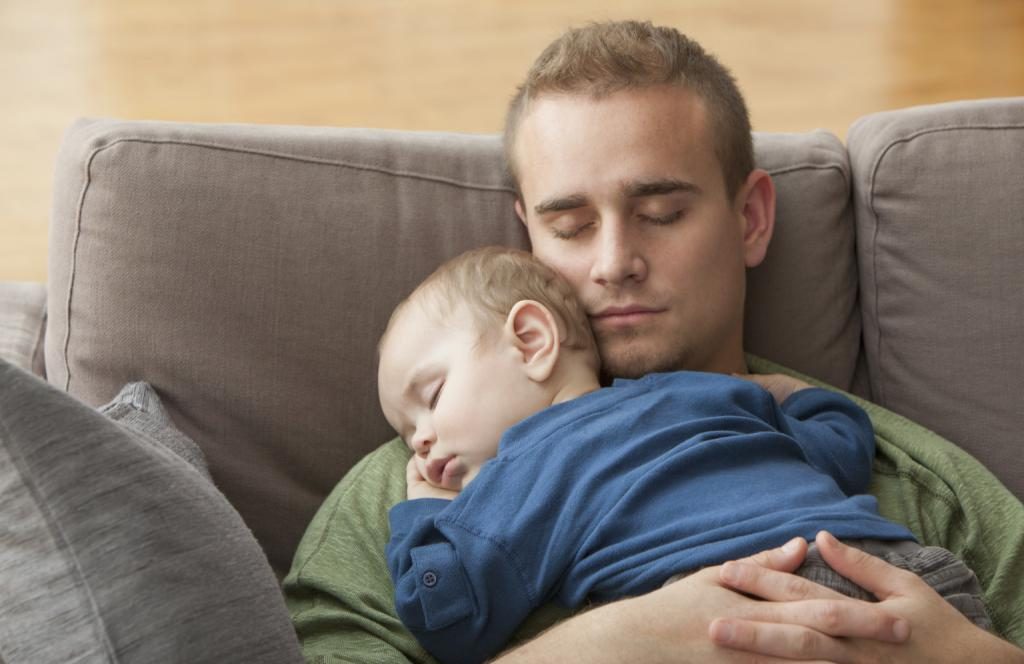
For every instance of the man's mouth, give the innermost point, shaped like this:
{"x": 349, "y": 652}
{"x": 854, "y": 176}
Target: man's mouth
{"x": 624, "y": 316}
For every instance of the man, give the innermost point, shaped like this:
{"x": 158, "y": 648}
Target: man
{"x": 631, "y": 152}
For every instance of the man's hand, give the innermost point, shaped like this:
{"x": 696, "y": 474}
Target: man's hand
{"x": 419, "y": 487}
{"x": 673, "y": 623}
{"x": 922, "y": 626}
{"x": 781, "y": 386}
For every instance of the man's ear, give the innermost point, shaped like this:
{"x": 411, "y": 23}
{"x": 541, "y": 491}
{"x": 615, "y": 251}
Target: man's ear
{"x": 756, "y": 203}
{"x": 520, "y": 211}
{"x": 533, "y": 331}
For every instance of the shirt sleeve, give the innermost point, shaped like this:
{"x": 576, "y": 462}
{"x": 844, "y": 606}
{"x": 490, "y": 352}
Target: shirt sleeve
{"x": 457, "y": 590}
{"x": 835, "y": 435}
{"x": 339, "y": 590}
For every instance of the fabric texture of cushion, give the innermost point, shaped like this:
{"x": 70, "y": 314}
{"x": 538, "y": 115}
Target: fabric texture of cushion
{"x": 940, "y": 227}
{"x": 802, "y": 308}
{"x": 265, "y": 262}
{"x": 117, "y": 550}
{"x": 22, "y": 319}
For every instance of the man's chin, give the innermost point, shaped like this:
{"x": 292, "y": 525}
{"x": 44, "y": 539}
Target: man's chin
{"x": 633, "y": 360}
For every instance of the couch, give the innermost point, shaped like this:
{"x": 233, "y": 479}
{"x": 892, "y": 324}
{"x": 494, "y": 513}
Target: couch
{"x": 245, "y": 273}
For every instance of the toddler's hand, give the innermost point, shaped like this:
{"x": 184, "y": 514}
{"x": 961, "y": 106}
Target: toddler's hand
{"x": 418, "y": 487}
{"x": 780, "y": 385}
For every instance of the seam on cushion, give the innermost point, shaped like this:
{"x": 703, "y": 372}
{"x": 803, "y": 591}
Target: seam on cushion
{"x": 879, "y": 393}
{"x": 74, "y": 264}
{"x": 809, "y": 167}
{"x": 312, "y": 160}
{"x": 55, "y": 530}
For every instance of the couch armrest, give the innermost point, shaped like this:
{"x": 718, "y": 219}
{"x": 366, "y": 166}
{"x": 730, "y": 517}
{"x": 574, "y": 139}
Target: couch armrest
{"x": 23, "y": 324}
{"x": 938, "y": 207}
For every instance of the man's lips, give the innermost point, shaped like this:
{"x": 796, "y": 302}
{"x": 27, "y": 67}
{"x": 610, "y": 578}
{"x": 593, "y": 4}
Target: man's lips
{"x": 624, "y": 316}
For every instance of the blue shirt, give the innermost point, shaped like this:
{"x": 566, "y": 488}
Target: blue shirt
{"x": 610, "y": 494}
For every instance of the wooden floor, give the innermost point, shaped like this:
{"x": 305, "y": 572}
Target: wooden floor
{"x": 446, "y": 65}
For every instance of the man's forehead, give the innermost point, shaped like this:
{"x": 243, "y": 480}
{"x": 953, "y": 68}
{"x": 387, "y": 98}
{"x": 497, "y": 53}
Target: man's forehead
{"x": 571, "y": 146}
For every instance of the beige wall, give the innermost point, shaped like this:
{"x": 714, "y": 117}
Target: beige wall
{"x": 445, "y": 64}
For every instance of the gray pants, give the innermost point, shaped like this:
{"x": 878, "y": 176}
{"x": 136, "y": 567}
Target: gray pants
{"x": 939, "y": 568}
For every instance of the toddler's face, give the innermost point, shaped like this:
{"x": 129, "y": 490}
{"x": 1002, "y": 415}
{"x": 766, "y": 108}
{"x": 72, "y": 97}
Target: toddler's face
{"x": 449, "y": 396}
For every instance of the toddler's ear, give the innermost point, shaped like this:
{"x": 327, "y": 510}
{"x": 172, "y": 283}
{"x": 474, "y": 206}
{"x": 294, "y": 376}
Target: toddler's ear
{"x": 534, "y": 333}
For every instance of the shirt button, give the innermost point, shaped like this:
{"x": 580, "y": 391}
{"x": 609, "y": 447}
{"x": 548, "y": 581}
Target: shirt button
{"x": 429, "y": 579}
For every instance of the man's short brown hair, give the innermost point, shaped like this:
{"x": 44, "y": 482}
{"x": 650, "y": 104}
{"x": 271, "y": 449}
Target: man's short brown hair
{"x": 603, "y": 58}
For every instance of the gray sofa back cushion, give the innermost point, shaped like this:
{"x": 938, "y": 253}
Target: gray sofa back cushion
{"x": 940, "y": 226}
{"x": 246, "y": 272}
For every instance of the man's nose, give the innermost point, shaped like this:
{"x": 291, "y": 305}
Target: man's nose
{"x": 618, "y": 255}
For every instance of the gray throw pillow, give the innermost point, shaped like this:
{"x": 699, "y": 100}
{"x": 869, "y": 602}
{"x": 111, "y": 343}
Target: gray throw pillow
{"x": 115, "y": 549}
{"x": 137, "y": 407}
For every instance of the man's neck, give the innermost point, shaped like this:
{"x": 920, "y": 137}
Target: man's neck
{"x": 729, "y": 360}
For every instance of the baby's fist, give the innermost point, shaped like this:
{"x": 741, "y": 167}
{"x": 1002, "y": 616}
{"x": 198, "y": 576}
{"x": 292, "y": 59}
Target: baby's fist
{"x": 419, "y": 487}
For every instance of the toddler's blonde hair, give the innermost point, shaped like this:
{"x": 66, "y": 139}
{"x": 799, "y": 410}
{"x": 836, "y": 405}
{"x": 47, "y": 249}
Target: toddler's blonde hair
{"x": 489, "y": 281}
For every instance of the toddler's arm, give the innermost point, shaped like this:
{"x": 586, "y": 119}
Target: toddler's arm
{"x": 835, "y": 434}
{"x": 458, "y": 591}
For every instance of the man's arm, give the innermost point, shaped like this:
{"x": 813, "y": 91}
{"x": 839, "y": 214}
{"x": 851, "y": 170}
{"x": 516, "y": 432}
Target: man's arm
{"x": 673, "y": 624}
{"x": 938, "y": 632}
{"x": 341, "y": 599}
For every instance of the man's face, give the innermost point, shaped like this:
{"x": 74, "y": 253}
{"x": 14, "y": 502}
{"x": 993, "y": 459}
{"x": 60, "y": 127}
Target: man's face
{"x": 625, "y": 197}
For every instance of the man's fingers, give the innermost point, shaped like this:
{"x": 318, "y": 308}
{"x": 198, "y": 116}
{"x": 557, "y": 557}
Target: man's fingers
{"x": 789, "y": 642}
{"x": 759, "y": 581}
{"x": 873, "y": 574}
{"x": 785, "y": 558}
{"x": 844, "y": 617}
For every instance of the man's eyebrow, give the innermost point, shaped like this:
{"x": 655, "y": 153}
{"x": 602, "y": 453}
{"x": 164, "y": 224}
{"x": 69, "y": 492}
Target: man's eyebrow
{"x": 560, "y": 204}
{"x": 638, "y": 189}
{"x": 632, "y": 189}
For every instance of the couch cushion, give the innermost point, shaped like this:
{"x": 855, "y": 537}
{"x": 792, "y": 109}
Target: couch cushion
{"x": 22, "y": 321}
{"x": 115, "y": 549}
{"x": 940, "y": 226}
{"x": 802, "y": 309}
{"x": 137, "y": 407}
{"x": 246, "y": 272}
